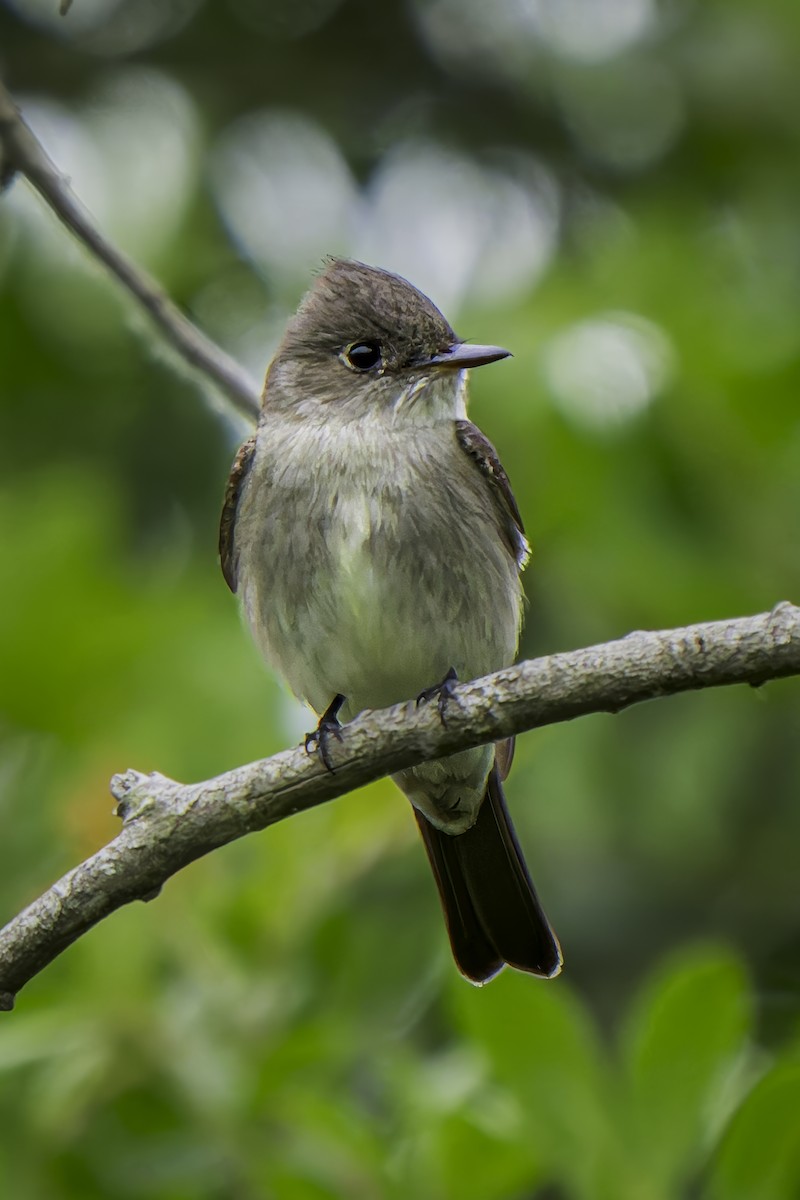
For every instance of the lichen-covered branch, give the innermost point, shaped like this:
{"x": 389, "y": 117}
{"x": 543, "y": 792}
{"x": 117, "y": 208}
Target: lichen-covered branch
{"x": 167, "y": 825}
{"x": 21, "y": 153}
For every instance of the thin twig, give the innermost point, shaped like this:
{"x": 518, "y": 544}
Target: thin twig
{"x": 167, "y": 825}
{"x": 20, "y": 151}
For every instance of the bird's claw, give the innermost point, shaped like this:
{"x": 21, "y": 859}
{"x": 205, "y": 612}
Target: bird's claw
{"x": 329, "y": 726}
{"x": 444, "y": 692}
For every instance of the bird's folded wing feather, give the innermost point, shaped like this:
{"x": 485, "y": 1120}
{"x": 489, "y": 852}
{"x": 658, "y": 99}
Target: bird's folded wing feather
{"x": 227, "y": 546}
{"x": 484, "y": 455}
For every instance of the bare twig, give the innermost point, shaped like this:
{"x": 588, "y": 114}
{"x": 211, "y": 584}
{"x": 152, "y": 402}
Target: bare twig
{"x": 167, "y": 825}
{"x": 20, "y": 151}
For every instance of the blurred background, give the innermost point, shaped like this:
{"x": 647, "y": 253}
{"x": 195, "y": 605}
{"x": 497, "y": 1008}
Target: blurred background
{"x": 611, "y": 189}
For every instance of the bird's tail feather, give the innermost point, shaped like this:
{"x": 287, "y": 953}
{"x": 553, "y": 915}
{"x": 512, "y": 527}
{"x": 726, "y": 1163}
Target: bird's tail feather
{"x": 490, "y": 905}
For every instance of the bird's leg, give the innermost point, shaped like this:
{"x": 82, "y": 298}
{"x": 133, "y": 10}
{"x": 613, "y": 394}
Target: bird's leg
{"x": 443, "y": 690}
{"x": 327, "y": 728}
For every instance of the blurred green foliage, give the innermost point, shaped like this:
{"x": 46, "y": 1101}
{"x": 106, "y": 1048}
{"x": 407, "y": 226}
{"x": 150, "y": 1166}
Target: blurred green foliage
{"x": 611, "y": 190}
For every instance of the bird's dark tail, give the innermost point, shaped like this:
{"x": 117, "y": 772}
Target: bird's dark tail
{"x": 492, "y": 912}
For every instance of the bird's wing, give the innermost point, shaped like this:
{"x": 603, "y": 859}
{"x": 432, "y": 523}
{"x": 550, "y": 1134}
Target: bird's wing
{"x": 484, "y": 455}
{"x": 227, "y": 525}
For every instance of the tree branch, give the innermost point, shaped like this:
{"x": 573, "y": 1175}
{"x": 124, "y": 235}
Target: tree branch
{"x": 166, "y": 825}
{"x": 20, "y": 151}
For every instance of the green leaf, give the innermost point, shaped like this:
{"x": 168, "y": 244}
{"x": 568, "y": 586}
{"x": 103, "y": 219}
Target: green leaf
{"x": 760, "y": 1155}
{"x": 475, "y": 1164}
{"x": 682, "y": 1040}
{"x": 542, "y": 1045}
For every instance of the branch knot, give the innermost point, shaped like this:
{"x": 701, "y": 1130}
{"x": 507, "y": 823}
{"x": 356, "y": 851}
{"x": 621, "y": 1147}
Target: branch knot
{"x": 136, "y": 793}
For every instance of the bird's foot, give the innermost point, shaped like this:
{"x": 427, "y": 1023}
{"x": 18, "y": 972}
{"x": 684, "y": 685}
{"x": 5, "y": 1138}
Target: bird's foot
{"x": 444, "y": 692}
{"x": 319, "y": 739}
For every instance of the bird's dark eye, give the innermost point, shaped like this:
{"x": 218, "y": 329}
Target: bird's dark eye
{"x": 362, "y": 356}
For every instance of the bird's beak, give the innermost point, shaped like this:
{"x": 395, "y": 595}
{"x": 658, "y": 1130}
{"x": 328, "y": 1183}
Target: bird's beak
{"x": 460, "y": 356}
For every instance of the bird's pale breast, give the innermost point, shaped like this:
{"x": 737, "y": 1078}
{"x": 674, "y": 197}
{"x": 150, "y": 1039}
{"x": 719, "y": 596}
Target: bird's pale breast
{"x": 375, "y": 562}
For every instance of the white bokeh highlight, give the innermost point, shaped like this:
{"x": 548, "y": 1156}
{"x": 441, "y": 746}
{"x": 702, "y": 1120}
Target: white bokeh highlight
{"x": 594, "y": 30}
{"x": 109, "y": 27}
{"x": 604, "y": 371}
{"x": 503, "y": 37}
{"x": 284, "y": 190}
{"x": 144, "y": 126}
{"x": 130, "y": 155}
{"x": 458, "y": 229}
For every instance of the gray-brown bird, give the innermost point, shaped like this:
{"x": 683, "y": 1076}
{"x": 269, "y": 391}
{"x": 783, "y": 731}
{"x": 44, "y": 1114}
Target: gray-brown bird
{"x": 373, "y": 537}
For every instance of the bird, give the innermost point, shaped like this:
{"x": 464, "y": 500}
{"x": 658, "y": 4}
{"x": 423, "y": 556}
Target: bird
{"x": 373, "y": 537}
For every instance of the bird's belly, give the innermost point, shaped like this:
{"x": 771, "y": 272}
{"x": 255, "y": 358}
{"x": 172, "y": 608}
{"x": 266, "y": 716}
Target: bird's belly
{"x": 384, "y": 612}
{"x": 390, "y": 640}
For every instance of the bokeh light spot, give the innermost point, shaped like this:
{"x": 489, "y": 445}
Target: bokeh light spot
{"x": 109, "y": 27}
{"x": 604, "y": 371}
{"x": 628, "y": 116}
{"x": 284, "y": 190}
{"x": 593, "y": 30}
{"x": 456, "y": 228}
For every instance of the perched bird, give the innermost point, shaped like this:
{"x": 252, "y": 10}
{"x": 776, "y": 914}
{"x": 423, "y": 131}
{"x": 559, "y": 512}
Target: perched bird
{"x": 375, "y": 542}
